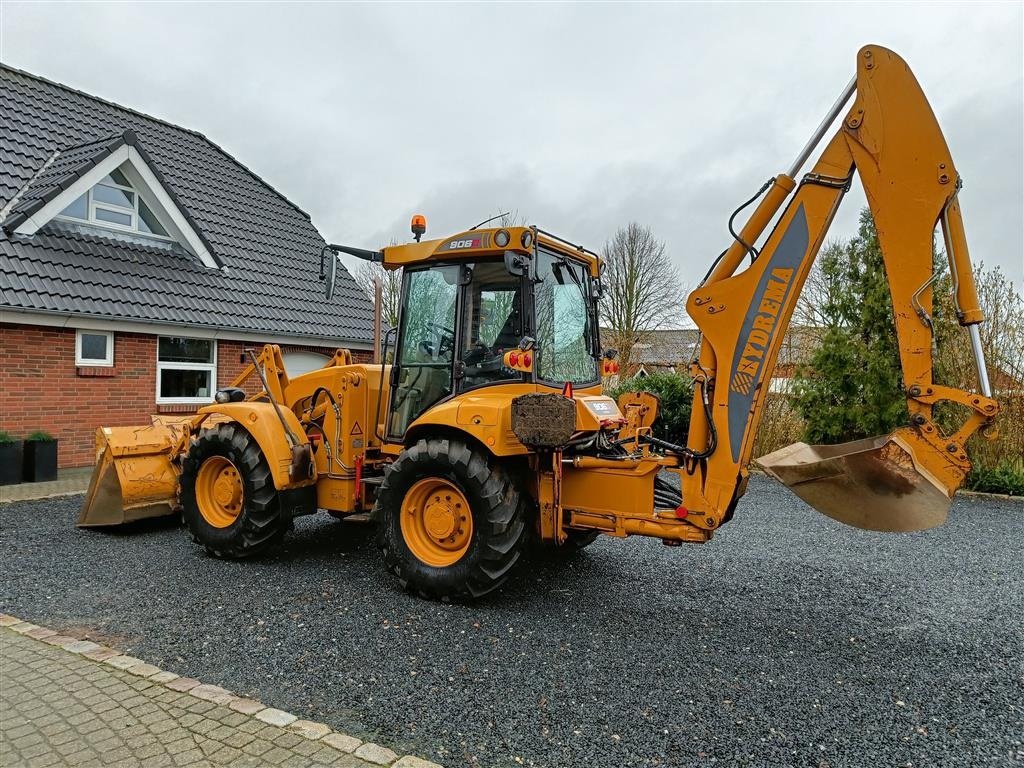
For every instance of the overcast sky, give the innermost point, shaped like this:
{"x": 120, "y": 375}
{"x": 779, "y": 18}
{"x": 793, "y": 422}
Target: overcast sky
{"x": 581, "y": 117}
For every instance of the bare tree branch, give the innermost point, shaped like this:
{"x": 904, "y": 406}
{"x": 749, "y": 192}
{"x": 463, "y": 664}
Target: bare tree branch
{"x": 642, "y": 287}
{"x": 391, "y": 288}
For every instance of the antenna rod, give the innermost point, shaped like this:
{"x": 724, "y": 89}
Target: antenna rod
{"x": 485, "y": 221}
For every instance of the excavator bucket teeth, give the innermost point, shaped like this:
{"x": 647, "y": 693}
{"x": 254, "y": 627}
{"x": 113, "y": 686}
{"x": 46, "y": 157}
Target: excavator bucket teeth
{"x": 875, "y": 484}
{"x": 135, "y": 476}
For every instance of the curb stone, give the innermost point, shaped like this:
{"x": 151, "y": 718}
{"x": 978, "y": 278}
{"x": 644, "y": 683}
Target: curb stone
{"x": 409, "y": 761}
{"x": 183, "y": 684}
{"x": 986, "y": 495}
{"x": 342, "y": 742}
{"x": 308, "y": 729}
{"x": 276, "y": 717}
{"x": 375, "y": 753}
{"x": 245, "y": 706}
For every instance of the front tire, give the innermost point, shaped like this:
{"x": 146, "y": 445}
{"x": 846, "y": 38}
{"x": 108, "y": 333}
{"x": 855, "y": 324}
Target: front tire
{"x": 451, "y": 524}
{"x": 228, "y": 498}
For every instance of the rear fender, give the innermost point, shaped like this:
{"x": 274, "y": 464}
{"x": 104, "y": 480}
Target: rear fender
{"x": 260, "y": 421}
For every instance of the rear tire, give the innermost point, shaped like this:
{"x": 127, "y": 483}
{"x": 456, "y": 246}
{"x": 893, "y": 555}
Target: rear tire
{"x": 427, "y": 543}
{"x": 228, "y": 498}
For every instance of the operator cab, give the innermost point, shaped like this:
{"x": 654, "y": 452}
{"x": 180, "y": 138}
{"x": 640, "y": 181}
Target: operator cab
{"x": 464, "y": 308}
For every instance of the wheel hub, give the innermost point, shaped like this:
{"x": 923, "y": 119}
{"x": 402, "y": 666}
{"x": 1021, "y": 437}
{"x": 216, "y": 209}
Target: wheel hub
{"x": 227, "y": 490}
{"x": 436, "y": 522}
{"x": 439, "y": 518}
{"x": 219, "y": 491}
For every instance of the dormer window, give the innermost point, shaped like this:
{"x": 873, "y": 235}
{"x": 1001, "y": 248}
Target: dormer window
{"x": 107, "y": 183}
{"x": 114, "y": 203}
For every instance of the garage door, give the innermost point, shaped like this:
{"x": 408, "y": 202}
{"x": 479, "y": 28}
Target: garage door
{"x": 300, "y": 362}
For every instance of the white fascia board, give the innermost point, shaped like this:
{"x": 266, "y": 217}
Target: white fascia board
{"x": 82, "y": 322}
{"x": 146, "y": 184}
{"x": 88, "y": 180}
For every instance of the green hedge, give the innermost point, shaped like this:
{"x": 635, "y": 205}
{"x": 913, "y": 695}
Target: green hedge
{"x": 1005, "y": 478}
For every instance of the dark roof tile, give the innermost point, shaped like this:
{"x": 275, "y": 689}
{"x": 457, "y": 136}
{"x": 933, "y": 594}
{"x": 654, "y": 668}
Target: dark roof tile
{"x": 269, "y": 246}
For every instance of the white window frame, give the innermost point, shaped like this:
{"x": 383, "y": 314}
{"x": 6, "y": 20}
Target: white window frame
{"x": 211, "y": 367}
{"x": 91, "y": 205}
{"x": 107, "y": 362}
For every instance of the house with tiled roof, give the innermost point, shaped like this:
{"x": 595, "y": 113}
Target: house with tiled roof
{"x": 671, "y": 350}
{"x": 138, "y": 262}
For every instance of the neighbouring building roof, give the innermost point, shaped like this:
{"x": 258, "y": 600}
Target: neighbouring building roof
{"x": 666, "y": 348}
{"x": 260, "y": 271}
{"x": 672, "y": 349}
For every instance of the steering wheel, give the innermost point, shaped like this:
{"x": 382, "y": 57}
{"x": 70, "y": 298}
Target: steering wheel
{"x": 477, "y": 354}
{"x": 445, "y": 338}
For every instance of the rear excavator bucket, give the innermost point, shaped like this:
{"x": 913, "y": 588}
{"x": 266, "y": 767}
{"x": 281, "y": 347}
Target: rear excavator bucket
{"x": 876, "y": 483}
{"x": 135, "y": 476}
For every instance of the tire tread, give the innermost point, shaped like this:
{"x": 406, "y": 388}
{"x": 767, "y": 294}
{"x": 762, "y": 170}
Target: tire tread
{"x": 500, "y": 521}
{"x": 261, "y": 523}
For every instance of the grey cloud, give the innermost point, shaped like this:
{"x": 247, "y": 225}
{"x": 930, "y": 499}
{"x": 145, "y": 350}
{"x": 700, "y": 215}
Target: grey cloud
{"x": 582, "y": 117}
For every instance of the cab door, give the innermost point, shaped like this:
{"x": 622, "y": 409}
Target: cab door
{"x": 426, "y": 344}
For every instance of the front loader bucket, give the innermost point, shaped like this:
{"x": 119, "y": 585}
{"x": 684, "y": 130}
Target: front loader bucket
{"x": 874, "y": 483}
{"x": 134, "y": 476}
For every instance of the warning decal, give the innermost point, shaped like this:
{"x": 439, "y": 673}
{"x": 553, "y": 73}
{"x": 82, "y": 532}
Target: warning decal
{"x": 356, "y": 430}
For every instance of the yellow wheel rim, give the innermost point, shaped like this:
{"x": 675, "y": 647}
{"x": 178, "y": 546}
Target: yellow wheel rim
{"x": 437, "y": 523}
{"x": 219, "y": 492}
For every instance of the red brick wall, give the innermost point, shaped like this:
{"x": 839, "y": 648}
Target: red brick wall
{"x": 42, "y": 389}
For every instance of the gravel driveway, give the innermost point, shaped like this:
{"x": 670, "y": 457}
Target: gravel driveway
{"x": 788, "y": 640}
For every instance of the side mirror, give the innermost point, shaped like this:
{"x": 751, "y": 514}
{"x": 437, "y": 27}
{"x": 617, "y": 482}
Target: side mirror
{"x": 515, "y": 263}
{"x": 331, "y": 276}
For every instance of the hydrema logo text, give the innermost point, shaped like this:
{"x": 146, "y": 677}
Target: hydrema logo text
{"x": 756, "y": 345}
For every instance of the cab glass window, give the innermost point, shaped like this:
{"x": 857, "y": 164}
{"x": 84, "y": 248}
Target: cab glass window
{"x": 493, "y": 324}
{"x": 565, "y": 335}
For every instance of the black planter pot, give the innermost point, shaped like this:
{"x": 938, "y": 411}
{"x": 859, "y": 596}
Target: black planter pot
{"x": 10, "y": 462}
{"x": 40, "y": 460}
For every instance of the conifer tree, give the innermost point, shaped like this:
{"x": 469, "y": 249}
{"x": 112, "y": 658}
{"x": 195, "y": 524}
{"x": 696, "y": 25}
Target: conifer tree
{"x": 852, "y": 385}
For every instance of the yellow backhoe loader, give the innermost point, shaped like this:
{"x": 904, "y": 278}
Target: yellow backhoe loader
{"x": 490, "y": 427}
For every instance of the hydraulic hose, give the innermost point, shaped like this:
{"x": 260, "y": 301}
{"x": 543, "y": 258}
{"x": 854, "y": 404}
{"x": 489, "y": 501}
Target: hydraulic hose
{"x": 749, "y": 248}
{"x": 666, "y": 495}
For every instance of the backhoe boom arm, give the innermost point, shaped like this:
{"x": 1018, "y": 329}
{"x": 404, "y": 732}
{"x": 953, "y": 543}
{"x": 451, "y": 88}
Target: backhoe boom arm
{"x": 890, "y": 137}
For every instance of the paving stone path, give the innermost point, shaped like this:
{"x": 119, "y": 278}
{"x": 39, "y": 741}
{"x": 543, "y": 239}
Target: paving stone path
{"x": 59, "y": 707}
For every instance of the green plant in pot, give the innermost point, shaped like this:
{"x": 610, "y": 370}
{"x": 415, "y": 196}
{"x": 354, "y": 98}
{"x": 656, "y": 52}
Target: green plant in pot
{"x": 40, "y": 457}
{"x": 11, "y": 454}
